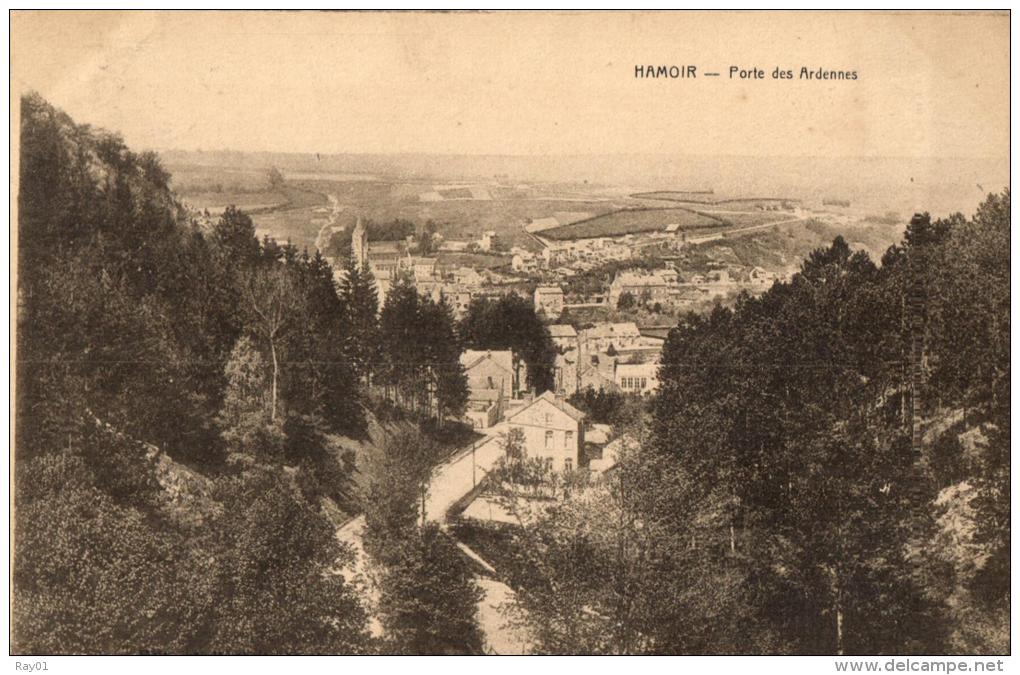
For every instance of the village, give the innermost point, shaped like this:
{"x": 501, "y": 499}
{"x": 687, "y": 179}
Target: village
{"x": 613, "y": 355}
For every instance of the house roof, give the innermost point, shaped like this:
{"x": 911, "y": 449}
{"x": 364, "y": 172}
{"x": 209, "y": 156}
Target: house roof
{"x": 634, "y": 279}
{"x": 598, "y": 433}
{"x": 562, "y": 330}
{"x": 656, "y": 332}
{"x": 383, "y": 247}
{"x": 646, "y": 369}
{"x": 549, "y": 289}
{"x": 550, "y": 397}
{"x": 503, "y": 358}
{"x": 611, "y": 330}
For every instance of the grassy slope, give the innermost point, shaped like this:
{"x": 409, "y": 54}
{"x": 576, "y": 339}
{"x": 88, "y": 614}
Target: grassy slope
{"x": 632, "y": 221}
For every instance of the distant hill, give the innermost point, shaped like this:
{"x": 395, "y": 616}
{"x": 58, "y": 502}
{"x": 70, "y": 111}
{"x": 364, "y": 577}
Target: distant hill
{"x": 940, "y": 186}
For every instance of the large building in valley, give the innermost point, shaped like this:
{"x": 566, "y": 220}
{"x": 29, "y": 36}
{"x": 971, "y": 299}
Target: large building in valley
{"x": 659, "y": 286}
{"x": 553, "y": 431}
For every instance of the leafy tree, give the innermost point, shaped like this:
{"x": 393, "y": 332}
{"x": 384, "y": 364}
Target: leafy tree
{"x": 92, "y": 575}
{"x": 274, "y": 178}
{"x": 607, "y": 407}
{"x": 510, "y": 322}
{"x": 427, "y": 596}
{"x": 513, "y": 444}
{"x": 396, "y": 487}
{"x": 273, "y": 302}
{"x": 429, "y": 599}
{"x": 426, "y": 236}
{"x": 272, "y": 570}
{"x": 246, "y": 420}
{"x": 623, "y": 570}
{"x": 789, "y": 445}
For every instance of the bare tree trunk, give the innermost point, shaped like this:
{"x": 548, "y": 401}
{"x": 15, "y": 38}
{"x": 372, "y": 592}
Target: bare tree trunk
{"x": 276, "y": 371}
{"x": 839, "y": 628}
{"x": 733, "y": 539}
{"x": 837, "y": 601}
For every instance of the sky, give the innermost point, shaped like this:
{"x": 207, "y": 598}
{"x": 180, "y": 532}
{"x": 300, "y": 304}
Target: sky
{"x": 929, "y": 85}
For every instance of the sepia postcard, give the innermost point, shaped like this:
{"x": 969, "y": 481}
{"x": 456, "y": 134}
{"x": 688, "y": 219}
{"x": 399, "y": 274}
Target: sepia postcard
{"x": 511, "y": 333}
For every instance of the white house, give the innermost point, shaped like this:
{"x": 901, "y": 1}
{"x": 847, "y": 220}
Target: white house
{"x": 553, "y": 431}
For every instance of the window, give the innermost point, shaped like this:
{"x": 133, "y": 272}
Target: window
{"x": 548, "y": 439}
{"x": 570, "y": 438}
{"x": 568, "y": 464}
{"x": 644, "y": 382}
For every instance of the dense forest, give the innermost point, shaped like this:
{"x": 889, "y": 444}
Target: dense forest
{"x": 182, "y": 390}
{"x": 180, "y": 393}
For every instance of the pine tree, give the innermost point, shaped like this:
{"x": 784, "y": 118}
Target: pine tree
{"x": 440, "y": 349}
{"x": 361, "y": 302}
{"x": 400, "y": 343}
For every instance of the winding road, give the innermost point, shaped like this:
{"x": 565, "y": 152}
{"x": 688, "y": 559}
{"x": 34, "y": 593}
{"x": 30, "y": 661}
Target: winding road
{"x": 451, "y": 480}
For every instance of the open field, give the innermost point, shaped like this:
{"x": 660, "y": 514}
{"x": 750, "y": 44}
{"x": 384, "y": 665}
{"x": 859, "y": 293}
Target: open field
{"x": 196, "y": 178}
{"x": 250, "y": 202}
{"x": 297, "y": 220}
{"x": 709, "y": 198}
{"x": 457, "y": 219}
{"x": 750, "y": 219}
{"x": 633, "y": 221}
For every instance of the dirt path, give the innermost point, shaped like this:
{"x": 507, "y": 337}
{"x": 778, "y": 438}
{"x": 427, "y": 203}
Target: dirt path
{"x": 451, "y": 480}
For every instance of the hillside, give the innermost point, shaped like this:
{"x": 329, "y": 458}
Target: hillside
{"x": 164, "y": 502}
{"x": 634, "y": 221}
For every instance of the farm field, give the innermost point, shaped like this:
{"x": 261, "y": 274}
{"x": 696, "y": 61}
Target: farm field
{"x": 297, "y": 221}
{"x": 215, "y": 202}
{"x": 750, "y": 219}
{"x": 458, "y": 219}
{"x": 712, "y": 200}
{"x": 215, "y": 188}
{"x": 197, "y": 178}
{"x": 633, "y": 221}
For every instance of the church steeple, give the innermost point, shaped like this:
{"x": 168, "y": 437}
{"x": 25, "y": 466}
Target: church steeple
{"x": 359, "y": 244}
